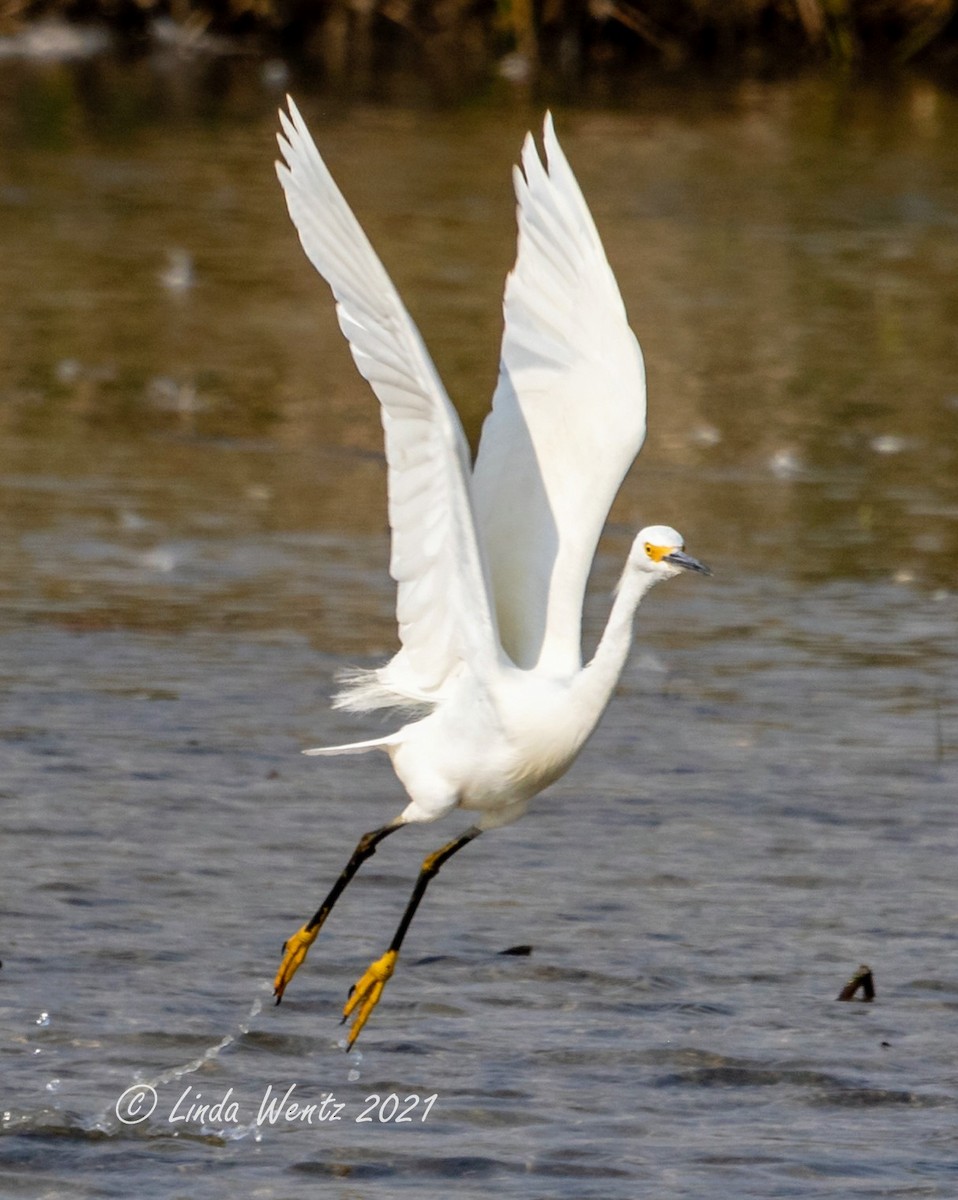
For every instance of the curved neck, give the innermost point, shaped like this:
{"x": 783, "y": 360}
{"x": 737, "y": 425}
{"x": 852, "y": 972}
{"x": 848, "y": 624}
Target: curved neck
{"x": 597, "y": 679}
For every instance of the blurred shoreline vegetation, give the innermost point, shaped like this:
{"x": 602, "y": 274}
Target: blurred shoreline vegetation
{"x": 456, "y": 44}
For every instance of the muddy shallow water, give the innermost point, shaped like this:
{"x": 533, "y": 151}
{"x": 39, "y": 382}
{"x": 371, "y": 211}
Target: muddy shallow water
{"x": 192, "y": 499}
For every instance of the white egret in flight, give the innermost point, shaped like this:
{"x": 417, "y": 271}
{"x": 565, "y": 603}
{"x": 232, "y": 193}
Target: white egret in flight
{"x": 491, "y": 560}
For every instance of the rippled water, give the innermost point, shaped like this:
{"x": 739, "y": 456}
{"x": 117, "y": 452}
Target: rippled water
{"x": 191, "y": 494}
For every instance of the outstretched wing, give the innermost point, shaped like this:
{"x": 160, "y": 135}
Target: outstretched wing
{"x": 442, "y": 607}
{"x": 568, "y": 417}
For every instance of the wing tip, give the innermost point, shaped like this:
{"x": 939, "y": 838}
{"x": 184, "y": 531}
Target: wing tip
{"x": 294, "y": 115}
{"x": 295, "y": 140}
{"x": 550, "y": 140}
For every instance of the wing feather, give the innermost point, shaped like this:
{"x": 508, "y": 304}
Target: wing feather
{"x": 567, "y": 419}
{"x": 443, "y": 607}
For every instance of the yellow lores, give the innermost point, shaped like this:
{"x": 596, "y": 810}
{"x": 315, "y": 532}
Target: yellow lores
{"x": 490, "y": 560}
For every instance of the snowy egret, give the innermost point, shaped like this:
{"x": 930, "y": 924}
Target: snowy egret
{"x": 491, "y": 562}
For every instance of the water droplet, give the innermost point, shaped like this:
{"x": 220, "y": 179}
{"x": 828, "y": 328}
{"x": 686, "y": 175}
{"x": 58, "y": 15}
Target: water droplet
{"x": 178, "y": 275}
{"x": 705, "y": 435}
{"x": 274, "y": 73}
{"x": 785, "y": 463}
{"x": 356, "y": 1058}
{"x": 515, "y": 68}
{"x": 159, "y": 559}
{"x": 889, "y": 443}
{"x": 68, "y": 370}
{"x": 43, "y": 1019}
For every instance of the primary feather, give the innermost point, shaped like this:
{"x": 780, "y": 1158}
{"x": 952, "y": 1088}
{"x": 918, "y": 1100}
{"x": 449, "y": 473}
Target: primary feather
{"x": 442, "y": 607}
{"x": 567, "y": 419}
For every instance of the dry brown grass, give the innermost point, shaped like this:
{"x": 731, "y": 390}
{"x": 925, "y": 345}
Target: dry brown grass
{"x": 569, "y": 34}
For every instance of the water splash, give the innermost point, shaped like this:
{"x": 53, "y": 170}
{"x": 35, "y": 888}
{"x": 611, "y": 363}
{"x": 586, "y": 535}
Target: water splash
{"x": 108, "y": 1121}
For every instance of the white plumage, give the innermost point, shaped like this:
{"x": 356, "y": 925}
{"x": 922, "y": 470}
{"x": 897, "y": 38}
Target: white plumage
{"x": 490, "y": 563}
{"x": 568, "y": 418}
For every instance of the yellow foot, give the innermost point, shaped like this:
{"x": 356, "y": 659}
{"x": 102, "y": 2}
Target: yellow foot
{"x": 364, "y": 996}
{"x": 294, "y": 955}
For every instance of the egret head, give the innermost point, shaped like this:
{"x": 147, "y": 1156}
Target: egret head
{"x": 660, "y": 551}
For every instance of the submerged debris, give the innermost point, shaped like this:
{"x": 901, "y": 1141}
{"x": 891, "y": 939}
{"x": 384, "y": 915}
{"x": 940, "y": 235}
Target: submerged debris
{"x": 863, "y": 979}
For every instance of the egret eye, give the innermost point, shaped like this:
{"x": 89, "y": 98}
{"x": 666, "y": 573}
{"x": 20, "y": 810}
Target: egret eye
{"x": 648, "y": 549}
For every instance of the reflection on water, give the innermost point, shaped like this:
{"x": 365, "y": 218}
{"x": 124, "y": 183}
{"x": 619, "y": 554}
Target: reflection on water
{"x": 787, "y": 260}
{"x": 191, "y": 493}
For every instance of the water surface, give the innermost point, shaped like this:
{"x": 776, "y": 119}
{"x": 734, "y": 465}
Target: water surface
{"x": 192, "y": 499}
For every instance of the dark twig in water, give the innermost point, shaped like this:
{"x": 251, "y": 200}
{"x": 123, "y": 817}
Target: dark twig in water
{"x": 861, "y": 979}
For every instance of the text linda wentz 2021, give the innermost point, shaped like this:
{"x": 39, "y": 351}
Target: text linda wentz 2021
{"x": 276, "y": 1107}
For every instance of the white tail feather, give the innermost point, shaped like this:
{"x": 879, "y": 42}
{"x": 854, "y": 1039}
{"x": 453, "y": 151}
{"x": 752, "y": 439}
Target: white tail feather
{"x": 383, "y": 743}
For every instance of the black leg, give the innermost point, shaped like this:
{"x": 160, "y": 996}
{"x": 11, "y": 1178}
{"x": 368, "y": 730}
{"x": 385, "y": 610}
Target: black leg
{"x": 365, "y": 995}
{"x": 365, "y": 848}
{"x": 294, "y": 950}
{"x": 430, "y": 868}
